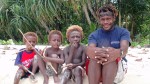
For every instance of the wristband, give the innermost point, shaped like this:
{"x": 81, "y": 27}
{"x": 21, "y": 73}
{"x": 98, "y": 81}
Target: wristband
{"x": 121, "y": 52}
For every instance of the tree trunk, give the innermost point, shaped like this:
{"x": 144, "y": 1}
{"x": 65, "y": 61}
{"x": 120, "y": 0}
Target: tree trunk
{"x": 92, "y": 12}
{"x": 86, "y": 13}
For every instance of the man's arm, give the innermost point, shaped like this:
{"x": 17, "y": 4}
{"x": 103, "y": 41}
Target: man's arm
{"x": 117, "y": 53}
{"x": 124, "y": 45}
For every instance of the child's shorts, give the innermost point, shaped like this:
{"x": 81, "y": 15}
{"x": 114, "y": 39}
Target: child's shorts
{"x": 26, "y": 74}
{"x": 51, "y": 72}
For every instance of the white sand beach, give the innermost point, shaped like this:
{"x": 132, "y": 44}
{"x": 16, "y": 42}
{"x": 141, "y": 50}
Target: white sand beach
{"x": 138, "y": 66}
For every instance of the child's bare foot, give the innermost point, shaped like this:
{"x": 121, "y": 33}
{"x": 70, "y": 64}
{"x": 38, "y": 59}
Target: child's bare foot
{"x": 32, "y": 78}
{"x": 56, "y": 79}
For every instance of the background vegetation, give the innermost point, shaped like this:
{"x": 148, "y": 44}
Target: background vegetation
{"x": 41, "y": 16}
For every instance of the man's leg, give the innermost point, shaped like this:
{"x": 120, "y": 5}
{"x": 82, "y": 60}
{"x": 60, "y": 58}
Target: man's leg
{"x": 109, "y": 72}
{"x": 94, "y": 72}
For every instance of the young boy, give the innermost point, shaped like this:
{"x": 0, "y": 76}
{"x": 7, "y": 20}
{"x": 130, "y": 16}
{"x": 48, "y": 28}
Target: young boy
{"x": 52, "y": 55}
{"x": 25, "y": 58}
{"x": 74, "y": 55}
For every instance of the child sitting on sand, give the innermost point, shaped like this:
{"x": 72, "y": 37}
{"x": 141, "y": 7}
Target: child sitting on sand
{"x": 49, "y": 65}
{"x": 74, "y": 55}
{"x": 25, "y": 58}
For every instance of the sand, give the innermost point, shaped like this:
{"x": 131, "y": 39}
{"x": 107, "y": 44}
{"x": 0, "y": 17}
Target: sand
{"x": 138, "y": 66}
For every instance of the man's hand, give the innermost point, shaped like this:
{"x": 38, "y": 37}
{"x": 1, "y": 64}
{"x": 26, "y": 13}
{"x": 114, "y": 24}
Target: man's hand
{"x": 98, "y": 54}
{"x": 113, "y": 55}
{"x": 101, "y": 55}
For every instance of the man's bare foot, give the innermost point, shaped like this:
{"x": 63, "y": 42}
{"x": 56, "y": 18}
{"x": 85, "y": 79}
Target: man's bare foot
{"x": 32, "y": 78}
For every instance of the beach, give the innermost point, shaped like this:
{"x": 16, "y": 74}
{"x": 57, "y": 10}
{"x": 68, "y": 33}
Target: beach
{"x": 138, "y": 66}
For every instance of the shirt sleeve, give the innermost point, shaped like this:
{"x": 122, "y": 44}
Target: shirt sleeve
{"x": 92, "y": 38}
{"x": 18, "y": 58}
{"x": 126, "y": 36}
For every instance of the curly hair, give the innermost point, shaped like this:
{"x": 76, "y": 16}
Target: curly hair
{"x": 55, "y": 32}
{"x": 74, "y": 28}
{"x": 108, "y": 8}
{"x": 30, "y": 34}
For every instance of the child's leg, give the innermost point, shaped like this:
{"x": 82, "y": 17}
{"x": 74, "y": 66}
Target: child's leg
{"x": 94, "y": 72}
{"x": 55, "y": 75}
{"x": 42, "y": 67}
{"x": 35, "y": 65}
{"x": 78, "y": 75}
{"x": 66, "y": 76}
{"x": 18, "y": 75}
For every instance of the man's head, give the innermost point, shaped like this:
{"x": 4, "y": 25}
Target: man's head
{"x": 31, "y": 38}
{"x": 107, "y": 15}
{"x": 55, "y": 38}
{"x": 74, "y": 34}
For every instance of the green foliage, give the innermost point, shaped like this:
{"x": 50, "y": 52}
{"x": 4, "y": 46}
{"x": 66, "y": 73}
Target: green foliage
{"x": 8, "y": 42}
{"x": 141, "y": 40}
{"x": 41, "y": 16}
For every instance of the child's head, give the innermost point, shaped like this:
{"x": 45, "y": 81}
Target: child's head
{"x": 32, "y": 38}
{"x": 55, "y": 38}
{"x": 74, "y": 34}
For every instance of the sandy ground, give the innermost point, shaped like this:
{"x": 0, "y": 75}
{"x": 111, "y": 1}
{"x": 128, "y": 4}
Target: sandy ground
{"x": 138, "y": 66}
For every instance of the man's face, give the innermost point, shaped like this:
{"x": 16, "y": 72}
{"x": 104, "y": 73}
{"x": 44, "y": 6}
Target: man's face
{"x": 32, "y": 40}
{"x": 107, "y": 22}
{"x": 75, "y": 37}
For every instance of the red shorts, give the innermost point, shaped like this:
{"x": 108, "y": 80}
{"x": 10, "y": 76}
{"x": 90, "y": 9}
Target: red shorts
{"x": 87, "y": 64}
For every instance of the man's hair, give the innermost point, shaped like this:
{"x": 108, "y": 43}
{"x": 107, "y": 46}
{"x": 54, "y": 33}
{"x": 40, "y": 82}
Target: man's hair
{"x": 108, "y": 8}
{"x": 30, "y": 34}
{"x": 55, "y": 32}
{"x": 74, "y": 28}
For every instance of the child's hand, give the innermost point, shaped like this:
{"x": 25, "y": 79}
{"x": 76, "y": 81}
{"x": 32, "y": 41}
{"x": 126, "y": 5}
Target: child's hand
{"x": 45, "y": 59}
{"x": 70, "y": 66}
{"x": 25, "y": 68}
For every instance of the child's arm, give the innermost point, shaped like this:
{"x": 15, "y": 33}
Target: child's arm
{"x": 50, "y": 59}
{"x": 69, "y": 55}
{"x": 83, "y": 59}
{"x": 81, "y": 63}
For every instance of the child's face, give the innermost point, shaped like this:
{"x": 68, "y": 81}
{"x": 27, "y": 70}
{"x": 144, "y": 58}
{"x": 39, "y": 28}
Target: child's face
{"x": 74, "y": 37}
{"x": 55, "y": 40}
{"x": 32, "y": 40}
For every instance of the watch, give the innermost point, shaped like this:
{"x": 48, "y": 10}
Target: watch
{"x": 121, "y": 52}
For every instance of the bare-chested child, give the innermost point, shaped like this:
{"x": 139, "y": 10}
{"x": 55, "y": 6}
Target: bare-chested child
{"x": 74, "y": 55}
{"x": 25, "y": 58}
{"x": 52, "y": 55}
